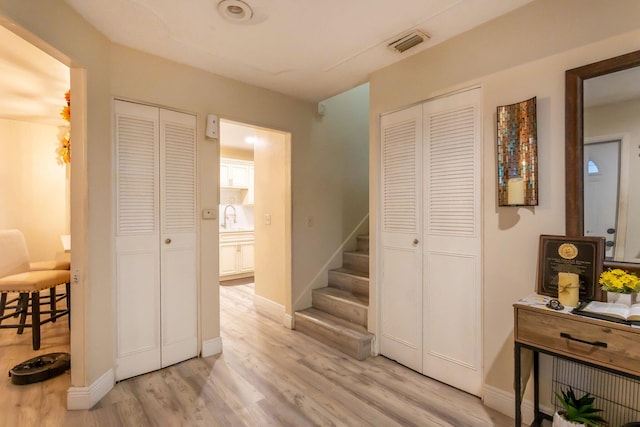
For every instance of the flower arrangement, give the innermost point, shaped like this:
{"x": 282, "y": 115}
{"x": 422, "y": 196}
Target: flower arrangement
{"x": 64, "y": 146}
{"x": 619, "y": 281}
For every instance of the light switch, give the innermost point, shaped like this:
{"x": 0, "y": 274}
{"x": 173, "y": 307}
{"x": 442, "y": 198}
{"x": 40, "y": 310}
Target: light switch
{"x": 267, "y": 219}
{"x": 208, "y": 214}
{"x": 309, "y": 221}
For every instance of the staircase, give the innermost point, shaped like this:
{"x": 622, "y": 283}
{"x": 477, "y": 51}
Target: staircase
{"x": 338, "y": 316}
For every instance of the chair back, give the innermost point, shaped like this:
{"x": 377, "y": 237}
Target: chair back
{"x": 14, "y": 255}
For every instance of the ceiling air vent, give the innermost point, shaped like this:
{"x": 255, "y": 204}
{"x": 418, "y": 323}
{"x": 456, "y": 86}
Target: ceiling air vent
{"x": 408, "y": 41}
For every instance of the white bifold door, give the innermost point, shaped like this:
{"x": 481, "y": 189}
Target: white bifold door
{"x": 430, "y": 258}
{"x": 156, "y": 293}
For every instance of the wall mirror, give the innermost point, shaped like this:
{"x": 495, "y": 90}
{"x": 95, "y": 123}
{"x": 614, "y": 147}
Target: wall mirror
{"x": 602, "y": 156}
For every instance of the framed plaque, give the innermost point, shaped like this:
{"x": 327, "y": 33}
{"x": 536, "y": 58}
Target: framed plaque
{"x": 581, "y": 256}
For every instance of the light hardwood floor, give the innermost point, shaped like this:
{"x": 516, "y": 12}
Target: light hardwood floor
{"x": 266, "y": 375}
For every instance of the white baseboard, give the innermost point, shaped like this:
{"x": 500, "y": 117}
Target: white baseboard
{"x": 79, "y": 398}
{"x": 211, "y": 347}
{"x": 505, "y": 403}
{"x": 267, "y": 307}
{"x": 287, "y": 321}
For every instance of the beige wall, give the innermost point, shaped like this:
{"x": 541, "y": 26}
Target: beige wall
{"x": 271, "y": 165}
{"x": 616, "y": 119}
{"x": 236, "y": 153}
{"x": 513, "y": 58}
{"x": 336, "y": 199}
{"x": 185, "y": 88}
{"x": 33, "y": 186}
{"x": 63, "y": 34}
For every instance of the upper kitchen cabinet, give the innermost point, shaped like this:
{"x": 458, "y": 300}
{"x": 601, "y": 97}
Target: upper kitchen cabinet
{"x": 236, "y": 181}
{"x": 235, "y": 173}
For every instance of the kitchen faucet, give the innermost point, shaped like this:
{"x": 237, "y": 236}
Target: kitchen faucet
{"x": 224, "y": 220}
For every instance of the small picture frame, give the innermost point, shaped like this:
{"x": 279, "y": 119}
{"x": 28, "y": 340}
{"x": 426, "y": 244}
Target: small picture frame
{"x": 583, "y": 256}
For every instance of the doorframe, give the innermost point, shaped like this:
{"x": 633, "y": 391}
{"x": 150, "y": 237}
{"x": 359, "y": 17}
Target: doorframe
{"x": 376, "y": 209}
{"x": 78, "y": 193}
{"x": 287, "y": 315}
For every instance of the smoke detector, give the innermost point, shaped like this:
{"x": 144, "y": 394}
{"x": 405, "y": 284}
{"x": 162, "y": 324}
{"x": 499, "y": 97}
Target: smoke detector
{"x": 235, "y": 11}
{"x": 407, "y": 41}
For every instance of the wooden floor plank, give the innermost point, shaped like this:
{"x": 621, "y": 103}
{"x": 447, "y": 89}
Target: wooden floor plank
{"x": 267, "y": 375}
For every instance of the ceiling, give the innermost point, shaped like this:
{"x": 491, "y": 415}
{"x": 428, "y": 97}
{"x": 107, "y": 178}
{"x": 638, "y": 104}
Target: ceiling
{"x": 310, "y": 51}
{"x": 615, "y": 87}
{"x": 307, "y": 49}
{"x": 33, "y": 83}
{"x": 237, "y": 135}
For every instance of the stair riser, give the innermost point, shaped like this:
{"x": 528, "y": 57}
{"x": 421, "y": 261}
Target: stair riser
{"x": 362, "y": 244}
{"x": 343, "y": 309}
{"x": 357, "y": 262}
{"x": 358, "y": 349}
{"x": 356, "y": 285}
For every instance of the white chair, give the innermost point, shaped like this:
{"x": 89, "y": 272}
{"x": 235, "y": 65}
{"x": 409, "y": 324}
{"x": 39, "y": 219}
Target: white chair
{"x": 18, "y": 275}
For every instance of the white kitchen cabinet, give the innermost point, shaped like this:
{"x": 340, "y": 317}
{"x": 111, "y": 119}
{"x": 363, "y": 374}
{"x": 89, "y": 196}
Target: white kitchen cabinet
{"x": 236, "y": 254}
{"x": 235, "y": 173}
{"x": 228, "y": 259}
{"x": 246, "y": 263}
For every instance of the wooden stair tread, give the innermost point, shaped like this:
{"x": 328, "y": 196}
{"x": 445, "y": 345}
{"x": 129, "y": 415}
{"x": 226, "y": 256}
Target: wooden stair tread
{"x": 360, "y": 300}
{"x": 336, "y": 324}
{"x": 358, "y": 253}
{"x": 352, "y": 272}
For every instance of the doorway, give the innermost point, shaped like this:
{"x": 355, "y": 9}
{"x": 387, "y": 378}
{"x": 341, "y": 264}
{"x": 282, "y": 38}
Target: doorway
{"x": 34, "y": 172}
{"x": 255, "y": 212}
{"x": 430, "y": 255}
{"x": 602, "y": 195}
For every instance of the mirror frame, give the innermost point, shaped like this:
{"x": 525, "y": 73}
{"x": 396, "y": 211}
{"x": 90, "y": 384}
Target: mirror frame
{"x": 574, "y": 136}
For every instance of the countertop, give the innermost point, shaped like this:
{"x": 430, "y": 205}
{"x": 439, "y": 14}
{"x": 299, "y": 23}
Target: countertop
{"x": 236, "y": 230}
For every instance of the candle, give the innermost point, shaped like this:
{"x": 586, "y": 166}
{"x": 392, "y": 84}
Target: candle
{"x": 515, "y": 191}
{"x": 568, "y": 289}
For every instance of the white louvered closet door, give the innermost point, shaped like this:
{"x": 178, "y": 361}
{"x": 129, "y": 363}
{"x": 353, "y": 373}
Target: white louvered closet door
{"x": 430, "y": 281}
{"x": 401, "y": 249}
{"x": 452, "y": 319}
{"x": 178, "y": 237}
{"x": 156, "y": 303}
{"x": 137, "y": 236}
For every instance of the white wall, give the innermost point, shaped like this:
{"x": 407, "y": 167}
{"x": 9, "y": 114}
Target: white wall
{"x": 513, "y": 58}
{"x": 33, "y": 186}
{"x": 620, "y": 118}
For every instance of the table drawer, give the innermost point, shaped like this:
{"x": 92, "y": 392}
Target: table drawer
{"x": 599, "y": 342}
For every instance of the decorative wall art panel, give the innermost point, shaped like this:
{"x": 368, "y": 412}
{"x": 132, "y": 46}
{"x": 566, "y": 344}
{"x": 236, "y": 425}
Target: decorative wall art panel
{"x": 517, "y": 154}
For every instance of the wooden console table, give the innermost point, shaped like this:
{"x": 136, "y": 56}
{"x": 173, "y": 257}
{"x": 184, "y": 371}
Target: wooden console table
{"x": 610, "y": 346}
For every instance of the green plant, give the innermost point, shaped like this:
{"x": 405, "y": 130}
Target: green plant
{"x": 579, "y": 410}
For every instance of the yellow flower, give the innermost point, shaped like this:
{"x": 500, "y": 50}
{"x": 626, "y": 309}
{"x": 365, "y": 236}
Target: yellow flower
{"x": 620, "y": 281}
{"x": 66, "y": 113}
{"x": 64, "y": 146}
